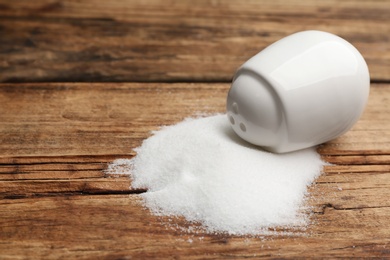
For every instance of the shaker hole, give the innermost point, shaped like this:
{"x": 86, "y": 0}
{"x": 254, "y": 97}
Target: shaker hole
{"x": 231, "y": 119}
{"x": 243, "y": 127}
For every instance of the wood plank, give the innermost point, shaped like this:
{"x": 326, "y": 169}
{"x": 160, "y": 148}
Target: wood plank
{"x": 117, "y": 227}
{"x": 83, "y": 119}
{"x": 91, "y": 40}
{"x": 20, "y": 168}
{"x": 351, "y": 190}
{"x": 35, "y": 177}
{"x": 95, "y": 119}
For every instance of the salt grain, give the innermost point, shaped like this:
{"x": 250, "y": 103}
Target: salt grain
{"x": 201, "y": 170}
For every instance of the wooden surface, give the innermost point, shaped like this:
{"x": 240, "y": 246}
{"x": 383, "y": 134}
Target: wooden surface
{"x": 57, "y": 202}
{"x": 179, "y": 40}
{"x": 57, "y": 138}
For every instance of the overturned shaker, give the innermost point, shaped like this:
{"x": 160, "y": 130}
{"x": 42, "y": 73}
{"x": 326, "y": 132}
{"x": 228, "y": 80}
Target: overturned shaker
{"x": 301, "y": 91}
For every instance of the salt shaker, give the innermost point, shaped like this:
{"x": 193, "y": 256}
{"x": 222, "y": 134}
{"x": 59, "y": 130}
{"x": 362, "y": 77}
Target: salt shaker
{"x": 301, "y": 91}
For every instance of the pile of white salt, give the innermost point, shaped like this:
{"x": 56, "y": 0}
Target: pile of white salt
{"x": 201, "y": 170}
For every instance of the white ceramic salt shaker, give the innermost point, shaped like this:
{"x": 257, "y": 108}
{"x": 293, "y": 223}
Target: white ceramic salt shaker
{"x": 303, "y": 90}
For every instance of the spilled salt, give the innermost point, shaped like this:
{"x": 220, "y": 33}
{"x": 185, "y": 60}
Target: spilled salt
{"x": 201, "y": 170}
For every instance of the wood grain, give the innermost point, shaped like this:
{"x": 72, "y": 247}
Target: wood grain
{"x": 95, "y": 119}
{"x": 57, "y": 201}
{"x": 68, "y": 119}
{"x": 91, "y": 40}
{"x": 117, "y": 227}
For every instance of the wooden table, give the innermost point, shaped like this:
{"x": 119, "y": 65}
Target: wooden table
{"x": 84, "y": 82}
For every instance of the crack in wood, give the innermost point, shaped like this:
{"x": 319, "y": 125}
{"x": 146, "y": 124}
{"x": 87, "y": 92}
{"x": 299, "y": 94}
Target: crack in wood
{"x": 77, "y": 193}
{"x": 331, "y": 206}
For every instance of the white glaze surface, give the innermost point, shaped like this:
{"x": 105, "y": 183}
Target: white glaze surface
{"x": 303, "y": 90}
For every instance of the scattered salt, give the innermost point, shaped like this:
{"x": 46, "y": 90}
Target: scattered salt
{"x": 201, "y": 170}
{"x": 119, "y": 167}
